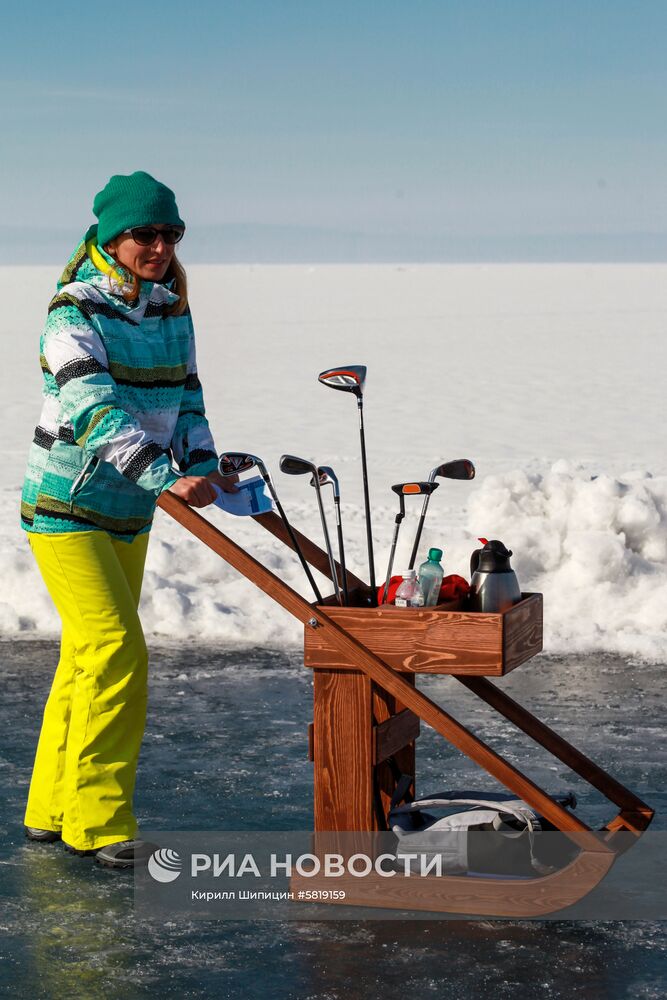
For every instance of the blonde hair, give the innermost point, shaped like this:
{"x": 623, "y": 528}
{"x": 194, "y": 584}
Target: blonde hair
{"x": 180, "y": 286}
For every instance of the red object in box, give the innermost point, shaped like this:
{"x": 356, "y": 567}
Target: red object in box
{"x": 451, "y": 589}
{"x": 394, "y": 584}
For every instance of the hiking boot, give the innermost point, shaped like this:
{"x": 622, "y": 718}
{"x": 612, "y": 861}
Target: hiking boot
{"x": 80, "y": 852}
{"x": 42, "y": 836}
{"x": 125, "y": 854}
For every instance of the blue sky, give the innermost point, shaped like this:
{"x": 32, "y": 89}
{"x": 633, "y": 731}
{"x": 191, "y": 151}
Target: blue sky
{"x": 429, "y": 128}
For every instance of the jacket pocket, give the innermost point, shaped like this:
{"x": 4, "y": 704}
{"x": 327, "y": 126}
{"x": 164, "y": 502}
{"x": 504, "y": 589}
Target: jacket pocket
{"x": 83, "y": 479}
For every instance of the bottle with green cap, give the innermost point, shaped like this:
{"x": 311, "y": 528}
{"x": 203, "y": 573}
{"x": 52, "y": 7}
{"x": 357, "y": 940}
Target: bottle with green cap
{"x": 430, "y": 577}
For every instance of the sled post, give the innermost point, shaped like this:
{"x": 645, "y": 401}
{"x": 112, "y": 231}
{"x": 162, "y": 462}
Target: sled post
{"x": 361, "y": 737}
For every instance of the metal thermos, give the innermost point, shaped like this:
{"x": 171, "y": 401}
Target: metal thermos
{"x": 494, "y": 586}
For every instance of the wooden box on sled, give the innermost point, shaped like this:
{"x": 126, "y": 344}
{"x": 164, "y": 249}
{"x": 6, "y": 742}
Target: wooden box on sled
{"x": 445, "y": 639}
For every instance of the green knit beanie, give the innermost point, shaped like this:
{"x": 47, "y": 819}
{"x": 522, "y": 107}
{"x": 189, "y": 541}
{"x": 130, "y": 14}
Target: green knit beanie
{"x": 133, "y": 200}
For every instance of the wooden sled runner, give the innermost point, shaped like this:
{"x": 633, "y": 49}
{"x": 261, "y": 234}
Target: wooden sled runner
{"x": 367, "y": 713}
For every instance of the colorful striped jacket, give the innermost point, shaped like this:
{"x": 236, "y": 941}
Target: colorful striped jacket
{"x": 122, "y": 399}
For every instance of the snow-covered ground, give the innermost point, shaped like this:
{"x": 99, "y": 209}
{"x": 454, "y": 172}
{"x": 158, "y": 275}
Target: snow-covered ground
{"x": 550, "y": 377}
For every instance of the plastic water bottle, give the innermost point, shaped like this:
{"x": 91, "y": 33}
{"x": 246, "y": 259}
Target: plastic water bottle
{"x": 430, "y": 577}
{"x": 409, "y": 593}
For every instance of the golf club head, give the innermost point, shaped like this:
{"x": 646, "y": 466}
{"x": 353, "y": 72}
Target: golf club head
{"x": 414, "y": 489}
{"x": 460, "y": 468}
{"x": 232, "y": 463}
{"x": 322, "y": 478}
{"x": 293, "y": 466}
{"x": 348, "y": 378}
{"x": 327, "y": 477}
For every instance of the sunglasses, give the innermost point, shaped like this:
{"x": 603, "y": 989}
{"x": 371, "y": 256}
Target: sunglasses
{"x": 146, "y": 235}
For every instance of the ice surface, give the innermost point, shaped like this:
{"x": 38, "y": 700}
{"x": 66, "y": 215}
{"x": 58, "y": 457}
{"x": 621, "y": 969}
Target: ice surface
{"x": 546, "y": 376}
{"x": 225, "y": 749}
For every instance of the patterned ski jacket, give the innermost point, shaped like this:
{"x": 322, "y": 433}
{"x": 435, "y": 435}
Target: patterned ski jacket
{"x": 122, "y": 400}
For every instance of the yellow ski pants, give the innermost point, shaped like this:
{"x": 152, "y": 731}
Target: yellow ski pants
{"x": 85, "y": 766}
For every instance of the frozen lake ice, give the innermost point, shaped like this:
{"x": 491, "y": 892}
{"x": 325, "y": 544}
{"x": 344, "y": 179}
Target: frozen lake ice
{"x": 225, "y": 749}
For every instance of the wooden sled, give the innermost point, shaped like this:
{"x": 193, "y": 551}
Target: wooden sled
{"x": 367, "y": 714}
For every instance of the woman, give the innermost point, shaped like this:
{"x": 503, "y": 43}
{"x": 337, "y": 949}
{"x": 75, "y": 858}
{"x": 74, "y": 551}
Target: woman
{"x": 122, "y": 401}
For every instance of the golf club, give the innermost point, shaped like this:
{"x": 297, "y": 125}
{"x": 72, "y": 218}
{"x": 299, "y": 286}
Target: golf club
{"x": 294, "y": 466}
{"x": 234, "y": 462}
{"x": 352, "y": 378}
{"x": 403, "y": 490}
{"x": 327, "y": 477}
{"x": 460, "y": 468}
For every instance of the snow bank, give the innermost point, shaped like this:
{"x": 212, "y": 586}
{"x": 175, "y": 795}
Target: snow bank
{"x": 596, "y": 547}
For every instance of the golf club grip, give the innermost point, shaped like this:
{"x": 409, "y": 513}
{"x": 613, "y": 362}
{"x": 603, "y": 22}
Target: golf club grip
{"x": 313, "y": 554}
